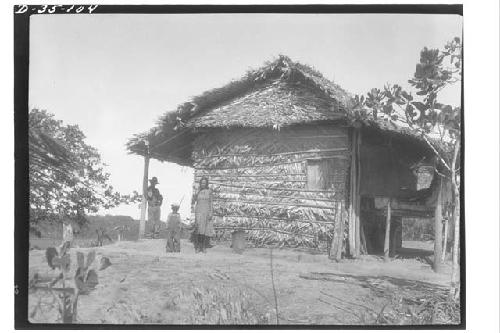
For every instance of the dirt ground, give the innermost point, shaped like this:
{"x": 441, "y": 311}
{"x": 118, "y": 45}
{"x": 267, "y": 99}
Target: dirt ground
{"x": 146, "y": 285}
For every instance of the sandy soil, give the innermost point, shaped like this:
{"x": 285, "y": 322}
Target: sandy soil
{"x": 146, "y": 285}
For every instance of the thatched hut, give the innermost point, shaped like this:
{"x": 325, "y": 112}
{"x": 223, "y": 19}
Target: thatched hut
{"x": 288, "y": 162}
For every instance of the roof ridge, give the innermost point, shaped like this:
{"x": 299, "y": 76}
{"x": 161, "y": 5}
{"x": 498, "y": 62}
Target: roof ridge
{"x": 281, "y": 68}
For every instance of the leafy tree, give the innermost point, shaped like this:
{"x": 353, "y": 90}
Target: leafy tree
{"x": 438, "y": 124}
{"x": 67, "y": 177}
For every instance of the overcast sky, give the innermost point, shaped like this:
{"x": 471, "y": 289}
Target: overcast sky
{"x": 114, "y": 75}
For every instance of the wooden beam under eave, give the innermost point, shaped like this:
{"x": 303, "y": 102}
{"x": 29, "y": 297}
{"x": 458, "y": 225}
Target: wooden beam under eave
{"x": 164, "y": 142}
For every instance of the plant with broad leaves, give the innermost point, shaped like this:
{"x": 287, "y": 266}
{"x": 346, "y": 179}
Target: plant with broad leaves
{"x": 85, "y": 279}
{"x": 423, "y": 113}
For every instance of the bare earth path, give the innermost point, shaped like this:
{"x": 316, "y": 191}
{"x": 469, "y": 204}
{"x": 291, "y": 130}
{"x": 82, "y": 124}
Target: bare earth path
{"x": 147, "y": 285}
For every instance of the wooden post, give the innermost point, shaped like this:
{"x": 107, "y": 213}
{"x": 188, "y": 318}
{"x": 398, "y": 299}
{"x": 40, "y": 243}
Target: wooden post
{"x": 340, "y": 231}
{"x": 455, "y": 185}
{"x": 144, "y": 204}
{"x": 335, "y": 239}
{"x": 364, "y": 250}
{"x": 351, "y": 195}
{"x": 396, "y": 233}
{"x": 358, "y": 198}
{"x": 438, "y": 230}
{"x": 445, "y": 240}
{"x": 387, "y": 231}
{"x": 455, "y": 276}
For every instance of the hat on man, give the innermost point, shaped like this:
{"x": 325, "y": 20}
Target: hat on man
{"x": 175, "y": 206}
{"x": 154, "y": 180}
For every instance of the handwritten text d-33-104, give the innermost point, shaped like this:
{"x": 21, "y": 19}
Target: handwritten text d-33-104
{"x": 54, "y": 9}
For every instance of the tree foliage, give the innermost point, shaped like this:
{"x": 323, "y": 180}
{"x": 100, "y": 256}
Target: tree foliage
{"x": 67, "y": 177}
{"x": 436, "y": 122}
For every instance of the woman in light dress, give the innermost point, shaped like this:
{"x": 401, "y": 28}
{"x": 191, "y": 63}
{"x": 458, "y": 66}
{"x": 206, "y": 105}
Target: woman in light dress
{"x": 204, "y": 229}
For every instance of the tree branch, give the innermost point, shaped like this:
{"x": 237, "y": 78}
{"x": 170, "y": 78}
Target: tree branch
{"x": 423, "y": 135}
{"x": 436, "y": 152}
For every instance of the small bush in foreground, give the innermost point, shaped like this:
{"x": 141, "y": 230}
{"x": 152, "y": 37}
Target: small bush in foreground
{"x": 223, "y": 306}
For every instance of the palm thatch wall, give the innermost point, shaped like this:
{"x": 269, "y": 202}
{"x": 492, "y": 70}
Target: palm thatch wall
{"x": 259, "y": 181}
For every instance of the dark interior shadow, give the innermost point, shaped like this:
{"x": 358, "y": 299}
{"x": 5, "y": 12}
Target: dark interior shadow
{"x": 422, "y": 255}
{"x": 413, "y": 253}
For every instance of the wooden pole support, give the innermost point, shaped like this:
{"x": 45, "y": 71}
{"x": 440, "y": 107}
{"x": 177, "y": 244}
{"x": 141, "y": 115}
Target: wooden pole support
{"x": 142, "y": 223}
{"x": 358, "y": 197}
{"x": 340, "y": 232}
{"x": 445, "y": 240}
{"x": 438, "y": 230}
{"x": 455, "y": 269}
{"x": 352, "y": 197}
{"x": 387, "y": 231}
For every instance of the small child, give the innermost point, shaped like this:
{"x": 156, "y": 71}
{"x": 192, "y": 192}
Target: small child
{"x": 174, "y": 230}
{"x": 67, "y": 233}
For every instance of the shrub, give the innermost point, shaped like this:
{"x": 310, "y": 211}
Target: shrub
{"x": 224, "y": 306}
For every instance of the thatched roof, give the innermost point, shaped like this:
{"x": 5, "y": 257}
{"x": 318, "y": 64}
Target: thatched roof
{"x": 274, "y": 104}
{"x": 281, "y": 93}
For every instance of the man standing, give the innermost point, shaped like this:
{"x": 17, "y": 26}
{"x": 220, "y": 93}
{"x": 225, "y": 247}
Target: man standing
{"x": 155, "y": 200}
